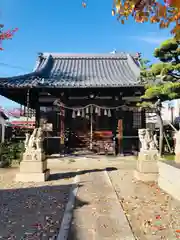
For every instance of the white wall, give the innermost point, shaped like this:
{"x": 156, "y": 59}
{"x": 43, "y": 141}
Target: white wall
{"x": 166, "y": 112}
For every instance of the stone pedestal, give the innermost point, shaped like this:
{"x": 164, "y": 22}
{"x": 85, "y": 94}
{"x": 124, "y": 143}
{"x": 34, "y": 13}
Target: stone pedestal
{"x": 147, "y": 168}
{"x": 177, "y": 147}
{"x": 177, "y": 157}
{"x": 33, "y": 167}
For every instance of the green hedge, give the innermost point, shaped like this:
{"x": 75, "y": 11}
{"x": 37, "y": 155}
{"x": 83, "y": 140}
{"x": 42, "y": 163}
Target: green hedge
{"x": 9, "y": 152}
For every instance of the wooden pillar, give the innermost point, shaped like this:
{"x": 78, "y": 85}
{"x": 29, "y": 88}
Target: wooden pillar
{"x": 69, "y": 120}
{"x": 37, "y": 113}
{"x": 91, "y": 128}
{"x": 143, "y": 118}
{"x": 114, "y": 123}
{"x": 27, "y": 105}
{"x": 120, "y": 131}
{"x": 62, "y": 127}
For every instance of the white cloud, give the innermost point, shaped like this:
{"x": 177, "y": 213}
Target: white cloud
{"x": 151, "y": 39}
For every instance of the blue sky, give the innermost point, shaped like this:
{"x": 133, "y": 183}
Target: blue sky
{"x": 65, "y": 26}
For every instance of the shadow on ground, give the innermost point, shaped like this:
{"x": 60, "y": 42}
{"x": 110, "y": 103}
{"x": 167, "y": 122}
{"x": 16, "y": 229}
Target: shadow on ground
{"x": 57, "y": 176}
{"x": 33, "y": 212}
{"x": 72, "y": 154}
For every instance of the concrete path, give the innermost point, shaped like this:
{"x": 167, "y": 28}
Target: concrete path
{"x": 102, "y": 216}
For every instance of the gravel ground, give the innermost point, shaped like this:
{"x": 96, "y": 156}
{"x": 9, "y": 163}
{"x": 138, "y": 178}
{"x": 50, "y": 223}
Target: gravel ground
{"x": 34, "y": 211}
{"x": 31, "y": 210}
{"x": 153, "y": 214}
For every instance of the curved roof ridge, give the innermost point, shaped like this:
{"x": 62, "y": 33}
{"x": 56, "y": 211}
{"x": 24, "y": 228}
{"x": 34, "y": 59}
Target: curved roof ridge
{"x": 122, "y": 55}
{"x": 37, "y": 71}
{"x": 26, "y": 75}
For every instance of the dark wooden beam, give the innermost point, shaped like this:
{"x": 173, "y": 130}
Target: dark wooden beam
{"x": 19, "y": 94}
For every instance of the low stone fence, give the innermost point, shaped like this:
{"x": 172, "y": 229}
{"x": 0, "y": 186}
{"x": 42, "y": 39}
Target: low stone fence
{"x": 169, "y": 178}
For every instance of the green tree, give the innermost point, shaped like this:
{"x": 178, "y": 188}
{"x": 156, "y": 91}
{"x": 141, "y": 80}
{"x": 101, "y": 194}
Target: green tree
{"x": 162, "y": 80}
{"x": 144, "y": 63}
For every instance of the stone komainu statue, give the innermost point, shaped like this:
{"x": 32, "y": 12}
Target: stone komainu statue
{"x": 35, "y": 140}
{"x": 142, "y": 139}
{"x": 147, "y": 139}
{"x": 26, "y": 140}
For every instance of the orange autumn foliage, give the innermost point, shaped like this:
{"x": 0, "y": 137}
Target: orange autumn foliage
{"x": 152, "y": 11}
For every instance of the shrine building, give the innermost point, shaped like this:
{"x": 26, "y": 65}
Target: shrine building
{"x": 89, "y": 97}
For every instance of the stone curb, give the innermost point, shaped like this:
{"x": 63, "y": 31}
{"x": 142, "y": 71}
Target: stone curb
{"x": 67, "y": 218}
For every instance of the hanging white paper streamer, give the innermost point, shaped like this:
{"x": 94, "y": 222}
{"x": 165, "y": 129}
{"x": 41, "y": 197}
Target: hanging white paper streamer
{"x": 78, "y": 113}
{"x": 83, "y": 113}
{"x": 73, "y": 114}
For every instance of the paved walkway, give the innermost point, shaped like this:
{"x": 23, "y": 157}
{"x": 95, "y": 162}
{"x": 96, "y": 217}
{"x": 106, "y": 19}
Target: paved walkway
{"x": 102, "y": 216}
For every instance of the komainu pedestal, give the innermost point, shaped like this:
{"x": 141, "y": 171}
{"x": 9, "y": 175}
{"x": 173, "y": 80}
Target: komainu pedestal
{"x": 177, "y": 147}
{"x": 33, "y": 167}
{"x": 147, "y": 168}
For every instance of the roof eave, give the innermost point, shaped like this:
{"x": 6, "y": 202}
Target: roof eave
{"x": 41, "y": 85}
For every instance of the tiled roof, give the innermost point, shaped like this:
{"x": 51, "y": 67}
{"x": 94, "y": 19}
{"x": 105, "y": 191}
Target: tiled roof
{"x": 80, "y": 70}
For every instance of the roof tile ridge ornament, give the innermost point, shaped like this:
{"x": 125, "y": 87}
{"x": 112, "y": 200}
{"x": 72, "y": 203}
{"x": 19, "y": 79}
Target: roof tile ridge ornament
{"x": 40, "y": 64}
{"x": 114, "y": 52}
{"x": 38, "y": 61}
{"x": 133, "y": 66}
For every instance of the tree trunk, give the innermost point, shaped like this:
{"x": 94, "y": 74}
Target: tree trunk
{"x": 177, "y": 59}
{"x": 161, "y": 130}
